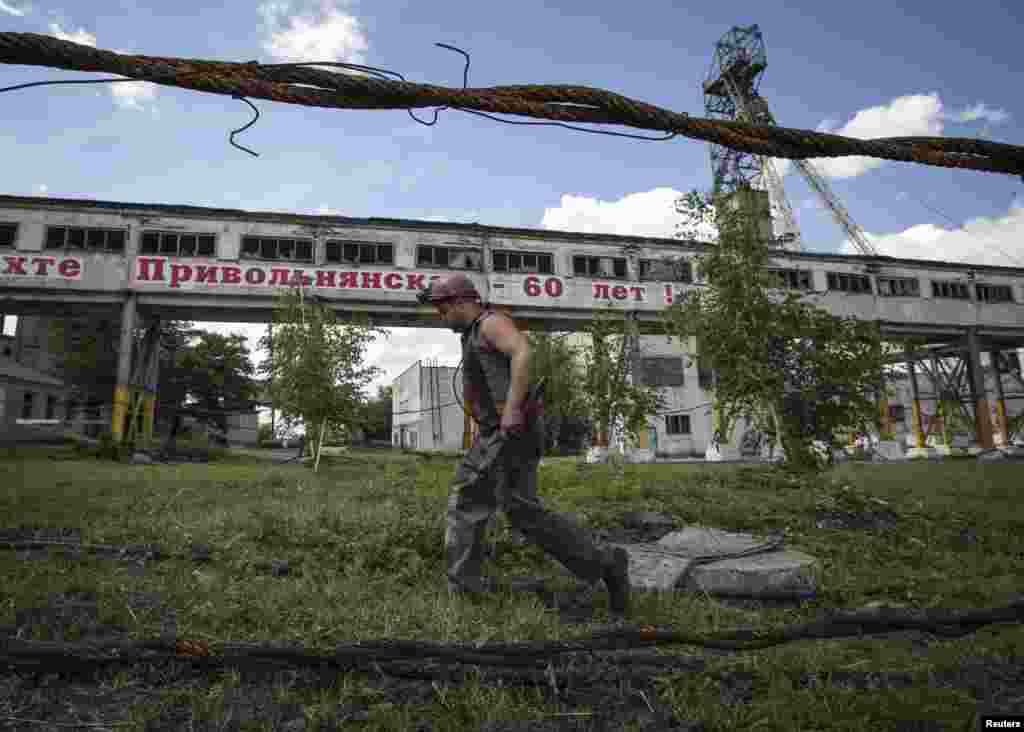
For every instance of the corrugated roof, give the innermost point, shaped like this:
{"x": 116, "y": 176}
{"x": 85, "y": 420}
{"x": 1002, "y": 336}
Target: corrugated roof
{"x": 10, "y": 369}
{"x": 477, "y": 229}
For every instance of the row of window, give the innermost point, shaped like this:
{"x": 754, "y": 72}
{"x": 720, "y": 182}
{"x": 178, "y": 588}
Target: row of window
{"x": 28, "y": 402}
{"x": 185, "y": 244}
{"x": 194, "y": 244}
{"x": 893, "y": 286}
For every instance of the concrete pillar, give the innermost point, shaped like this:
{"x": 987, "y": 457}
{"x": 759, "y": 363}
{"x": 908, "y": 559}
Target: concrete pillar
{"x": 122, "y": 396}
{"x": 1002, "y": 428}
{"x": 152, "y": 384}
{"x": 884, "y": 422}
{"x": 915, "y": 406}
{"x": 976, "y": 376}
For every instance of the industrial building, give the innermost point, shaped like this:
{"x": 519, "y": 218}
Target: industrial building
{"x": 427, "y": 414}
{"x": 151, "y": 261}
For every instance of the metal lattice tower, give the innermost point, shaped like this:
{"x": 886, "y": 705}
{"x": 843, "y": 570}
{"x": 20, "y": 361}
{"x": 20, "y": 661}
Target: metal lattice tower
{"x": 731, "y": 92}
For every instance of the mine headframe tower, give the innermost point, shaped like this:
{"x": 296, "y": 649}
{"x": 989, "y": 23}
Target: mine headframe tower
{"x": 731, "y": 93}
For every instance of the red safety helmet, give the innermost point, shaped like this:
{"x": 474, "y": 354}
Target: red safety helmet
{"x": 454, "y": 288}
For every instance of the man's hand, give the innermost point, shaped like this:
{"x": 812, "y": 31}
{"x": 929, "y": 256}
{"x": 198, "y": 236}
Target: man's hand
{"x": 513, "y": 421}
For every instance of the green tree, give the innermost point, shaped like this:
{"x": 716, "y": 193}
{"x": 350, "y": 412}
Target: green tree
{"x": 203, "y": 375}
{"x": 85, "y": 353}
{"x": 217, "y": 370}
{"x": 315, "y": 365}
{"x": 610, "y": 396}
{"x": 795, "y": 370}
{"x": 556, "y": 361}
{"x": 378, "y": 415}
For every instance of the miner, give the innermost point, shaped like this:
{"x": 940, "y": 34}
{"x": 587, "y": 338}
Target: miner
{"x": 500, "y": 468}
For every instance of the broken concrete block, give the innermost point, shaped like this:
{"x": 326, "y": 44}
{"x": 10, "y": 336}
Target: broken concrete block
{"x": 772, "y": 572}
{"x": 684, "y": 559}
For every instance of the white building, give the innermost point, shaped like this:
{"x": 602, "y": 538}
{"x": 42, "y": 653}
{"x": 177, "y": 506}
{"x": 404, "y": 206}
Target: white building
{"x": 427, "y": 415}
{"x": 683, "y": 429}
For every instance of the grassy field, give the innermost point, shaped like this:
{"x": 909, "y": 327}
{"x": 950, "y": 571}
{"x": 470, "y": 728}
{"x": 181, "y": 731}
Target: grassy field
{"x": 363, "y": 542}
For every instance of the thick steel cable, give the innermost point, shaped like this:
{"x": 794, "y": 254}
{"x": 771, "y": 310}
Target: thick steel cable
{"x": 563, "y": 103}
{"x": 42, "y": 656}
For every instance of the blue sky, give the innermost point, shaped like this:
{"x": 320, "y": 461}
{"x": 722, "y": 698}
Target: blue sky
{"x": 866, "y": 69}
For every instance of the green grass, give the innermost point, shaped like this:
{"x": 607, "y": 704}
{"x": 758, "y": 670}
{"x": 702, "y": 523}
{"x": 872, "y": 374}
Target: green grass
{"x": 364, "y": 538}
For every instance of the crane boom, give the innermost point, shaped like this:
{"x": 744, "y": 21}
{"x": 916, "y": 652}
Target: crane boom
{"x": 817, "y": 182}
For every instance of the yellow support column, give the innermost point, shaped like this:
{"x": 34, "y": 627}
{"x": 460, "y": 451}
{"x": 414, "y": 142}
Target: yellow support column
{"x": 982, "y": 421}
{"x": 1001, "y": 429}
{"x": 119, "y": 414}
{"x": 915, "y": 406}
{"x": 148, "y": 416}
{"x": 643, "y": 440}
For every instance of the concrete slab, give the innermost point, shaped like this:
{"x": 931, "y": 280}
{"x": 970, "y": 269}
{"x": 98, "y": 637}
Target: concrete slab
{"x": 680, "y": 560}
{"x": 773, "y": 572}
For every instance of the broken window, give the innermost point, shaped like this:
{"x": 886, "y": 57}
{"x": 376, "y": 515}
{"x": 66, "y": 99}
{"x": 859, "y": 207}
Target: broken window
{"x": 79, "y": 237}
{"x": 792, "y": 279}
{"x": 666, "y": 270}
{"x": 846, "y": 282}
{"x": 994, "y": 293}
{"x": 349, "y": 252}
{"x": 898, "y": 287}
{"x": 449, "y": 257}
{"x": 277, "y": 248}
{"x": 176, "y": 244}
{"x": 951, "y": 290}
{"x": 522, "y": 262}
{"x": 611, "y": 267}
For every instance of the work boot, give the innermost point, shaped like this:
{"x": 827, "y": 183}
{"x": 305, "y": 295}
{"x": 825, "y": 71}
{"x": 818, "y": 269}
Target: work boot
{"x": 616, "y": 580}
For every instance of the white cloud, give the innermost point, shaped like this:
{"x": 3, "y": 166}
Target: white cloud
{"x": 79, "y": 36}
{"x": 133, "y": 94}
{"x": 7, "y": 6}
{"x": 981, "y": 111}
{"x": 912, "y": 115}
{"x": 42, "y": 189}
{"x": 984, "y": 240}
{"x": 319, "y": 33}
{"x": 649, "y": 213}
{"x": 906, "y": 116}
{"x": 137, "y": 95}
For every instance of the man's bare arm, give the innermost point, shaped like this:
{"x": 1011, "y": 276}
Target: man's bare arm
{"x": 507, "y": 338}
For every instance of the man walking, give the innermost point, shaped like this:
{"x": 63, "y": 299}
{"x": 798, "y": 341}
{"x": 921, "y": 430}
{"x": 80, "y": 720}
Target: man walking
{"x": 500, "y": 469}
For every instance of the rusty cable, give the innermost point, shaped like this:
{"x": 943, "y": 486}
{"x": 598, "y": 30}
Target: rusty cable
{"x": 292, "y": 84}
{"x": 48, "y": 655}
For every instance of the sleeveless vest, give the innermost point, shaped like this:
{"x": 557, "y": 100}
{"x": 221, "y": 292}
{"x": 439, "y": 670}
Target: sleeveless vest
{"x": 487, "y": 374}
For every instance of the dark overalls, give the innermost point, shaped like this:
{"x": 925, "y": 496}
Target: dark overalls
{"x": 500, "y": 471}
